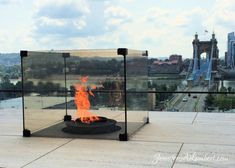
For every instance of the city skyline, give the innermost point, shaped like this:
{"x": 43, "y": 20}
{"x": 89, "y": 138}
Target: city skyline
{"x": 162, "y": 27}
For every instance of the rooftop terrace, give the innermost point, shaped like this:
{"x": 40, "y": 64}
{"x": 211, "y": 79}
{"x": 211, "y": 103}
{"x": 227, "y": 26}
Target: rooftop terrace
{"x": 172, "y": 139}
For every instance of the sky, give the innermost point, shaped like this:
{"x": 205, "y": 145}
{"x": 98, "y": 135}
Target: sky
{"x": 163, "y": 27}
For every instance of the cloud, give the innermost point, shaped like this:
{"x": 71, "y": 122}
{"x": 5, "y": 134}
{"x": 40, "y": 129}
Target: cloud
{"x": 3, "y": 38}
{"x": 72, "y": 19}
{"x": 222, "y": 14}
{"x": 162, "y": 28}
{"x": 220, "y": 19}
{"x": 60, "y": 18}
{"x": 177, "y": 27}
{"x": 167, "y": 17}
{"x": 112, "y": 23}
{"x": 116, "y": 16}
{"x": 4, "y": 2}
{"x": 63, "y": 9}
{"x": 174, "y": 18}
{"x": 156, "y": 13}
{"x": 9, "y": 2}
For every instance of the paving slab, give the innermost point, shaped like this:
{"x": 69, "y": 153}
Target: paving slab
{"x": 218, "y": 119}
{"x": 11, "y": 122}
{"x": 155, "y": 145}
{"x": 207, "y": 156}
{"x": 172, "y": 117}
{"x": 16, "y": 151}
{"x": 176, "y": 131}
{"x": 104, "y": 153}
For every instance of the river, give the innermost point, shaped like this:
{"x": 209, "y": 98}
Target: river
{"x": 15, "y": 103}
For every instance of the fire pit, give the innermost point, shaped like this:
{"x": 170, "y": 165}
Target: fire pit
{"x": 84, "y": 93}
{"x": 87, "y": 123}
{"x": 103, "y": 125}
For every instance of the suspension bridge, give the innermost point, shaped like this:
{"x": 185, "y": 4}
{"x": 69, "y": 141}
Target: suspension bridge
{"x": 201, "y": 71}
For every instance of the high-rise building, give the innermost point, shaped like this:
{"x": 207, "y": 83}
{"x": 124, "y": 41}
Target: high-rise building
{"x": 231, "y": 51}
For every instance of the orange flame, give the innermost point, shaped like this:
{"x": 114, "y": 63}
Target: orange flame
{"x": 82, "y": 102}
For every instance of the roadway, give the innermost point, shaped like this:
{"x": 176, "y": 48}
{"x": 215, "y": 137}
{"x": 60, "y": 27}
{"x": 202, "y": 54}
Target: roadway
{"x": 194, "y": 103}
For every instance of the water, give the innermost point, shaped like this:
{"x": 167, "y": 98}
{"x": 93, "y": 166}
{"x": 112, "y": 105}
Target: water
{"x": 15, "y": 103}
{"x": 15, "y": 81}
{"x": 229, "y": 83}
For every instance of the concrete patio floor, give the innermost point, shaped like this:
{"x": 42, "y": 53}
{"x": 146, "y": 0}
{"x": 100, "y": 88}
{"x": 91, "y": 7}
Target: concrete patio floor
{"x": 172, "y": 139}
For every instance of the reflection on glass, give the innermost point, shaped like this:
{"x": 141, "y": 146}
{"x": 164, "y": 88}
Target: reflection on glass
{"x": 89, "y": 86}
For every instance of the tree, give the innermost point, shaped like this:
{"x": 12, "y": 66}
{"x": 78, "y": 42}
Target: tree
{"x": 18, "y": 85}
{"x": 223, "y": 102}
{"x": 223, "y": 89}
{"x": 29, "y": 86}
{"x": 6, "y": 79}
{"x": 7, "y": 85}
{"x": 157, "y": 99}
{"x": 210, "y": 100}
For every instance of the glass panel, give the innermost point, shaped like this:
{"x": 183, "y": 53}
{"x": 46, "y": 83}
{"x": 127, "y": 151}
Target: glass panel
{"x": 89, "y": 53}
{"x": 100, "y": 74}
{"x": 94, "y": 84}
{"x": 44, "y": 88}
{"x": 102, "y": 107}
{"x": 10, "y": 83}
{"x": 137, "y": 88}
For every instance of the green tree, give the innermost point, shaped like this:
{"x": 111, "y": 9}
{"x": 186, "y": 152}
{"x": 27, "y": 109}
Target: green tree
{"x": 6, "y": 79}
{"x": 229, "y": 89}
{"x": 157, "y": 99}
{"x": 223, "y": 89}
{"x": 7, "y": 85}
{"x": 210, "y": 100}
{"x": 223, "y": 103}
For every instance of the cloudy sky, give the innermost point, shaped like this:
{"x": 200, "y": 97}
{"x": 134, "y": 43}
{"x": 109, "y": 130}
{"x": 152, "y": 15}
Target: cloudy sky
{"x": 163, "y": 27}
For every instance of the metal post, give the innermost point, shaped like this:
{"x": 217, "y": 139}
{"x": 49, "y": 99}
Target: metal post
{"x": 66, "y": 117}
{"x": 124, "y": 53}
{"x": 65, "y": 85}
{"x": 22, "y": 90}
{"x": 26, "y": 132}
{"x": 125, "y": 96}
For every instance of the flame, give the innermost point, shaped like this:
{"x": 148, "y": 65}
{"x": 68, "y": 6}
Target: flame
{"x": 82, "y": 102}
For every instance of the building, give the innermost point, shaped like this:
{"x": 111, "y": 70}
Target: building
{"x": 231, "y": 51}
{"x": 172, "y": 66}
{"x": 226, "y": 57}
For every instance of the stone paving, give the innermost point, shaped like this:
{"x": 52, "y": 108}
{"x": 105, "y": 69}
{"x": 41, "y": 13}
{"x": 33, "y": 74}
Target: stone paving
{"x": 172, "y": 139}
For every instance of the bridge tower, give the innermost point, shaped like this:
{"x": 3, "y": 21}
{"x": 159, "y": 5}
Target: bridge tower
{"x": 201, "y": 70}
{"x": 209, "y": 47}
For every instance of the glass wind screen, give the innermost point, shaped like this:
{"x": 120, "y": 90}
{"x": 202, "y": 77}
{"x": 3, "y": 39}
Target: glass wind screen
{"x": 102, "y": 77}
{"x": 137, "y": 87}
{"x": 44, "y": 88}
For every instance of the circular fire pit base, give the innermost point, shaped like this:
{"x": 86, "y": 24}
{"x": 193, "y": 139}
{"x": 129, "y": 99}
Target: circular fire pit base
{"x": 103, "y": 125}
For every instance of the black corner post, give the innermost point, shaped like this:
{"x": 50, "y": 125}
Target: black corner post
{"x": 124, "y": 52}
{"x": 26, "y": 133}
{"x": 23, "y": 53}
{"x": 146, "y": 53}
{"x": 147, "y": 120}
{"x": 66, "y": 117}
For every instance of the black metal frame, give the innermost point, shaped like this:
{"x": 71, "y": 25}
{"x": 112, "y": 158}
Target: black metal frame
{"x": 66, "y": 117}
{"x": 116, "y": 91}
{"x": 124, "y": 53}
{"x": 120, "y": 51}
{"x": 26, "y": 132}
